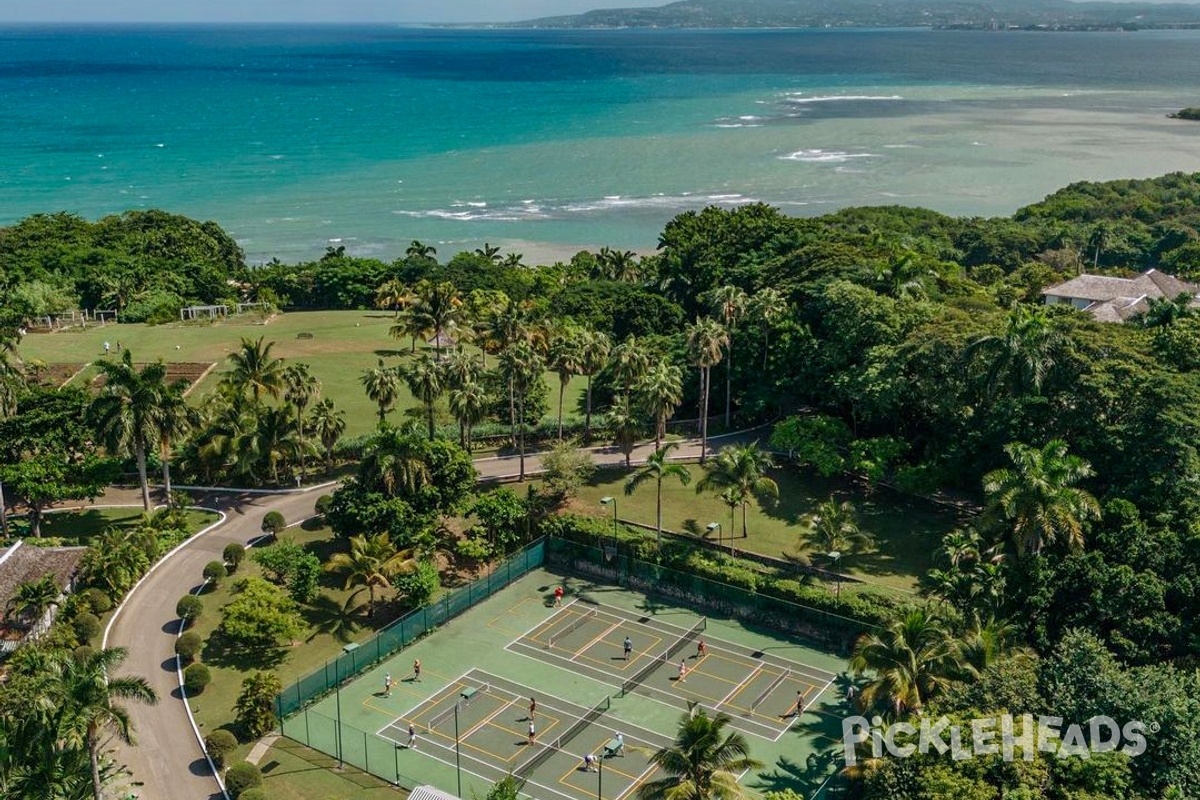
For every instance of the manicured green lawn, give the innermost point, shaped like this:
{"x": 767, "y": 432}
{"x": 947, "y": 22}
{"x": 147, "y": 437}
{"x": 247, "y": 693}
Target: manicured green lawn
{"x": 906, "y": 530}
{"x": 294, "y": 772}
{"x": 78, "y": 527}
{"x": 343, "y": 345}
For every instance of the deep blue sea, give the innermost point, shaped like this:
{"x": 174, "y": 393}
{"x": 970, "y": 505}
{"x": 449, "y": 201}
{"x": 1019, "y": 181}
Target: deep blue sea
{"x": 296, "y": 139}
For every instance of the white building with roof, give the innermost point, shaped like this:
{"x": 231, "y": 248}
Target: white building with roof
{"x": 1110, "y": 299}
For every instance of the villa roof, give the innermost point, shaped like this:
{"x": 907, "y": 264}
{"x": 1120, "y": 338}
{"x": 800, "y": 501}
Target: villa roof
{"x": 1150, "y": 283}
{"x": 23, "y": 563}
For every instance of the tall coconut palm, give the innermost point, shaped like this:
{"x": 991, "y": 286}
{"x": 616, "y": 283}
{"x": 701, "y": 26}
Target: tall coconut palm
{"x": 729, "y": 302}
{"x": 656, "y": 468}
{"x": 418, "y": 249}
{"x": 275, "y": 441}
{"x": 175, "y": 419}
{"x": 1024, "y": 355}
{"x": 253, "y": 368}
{"x": 594, "y": 347}
{"x": 661, "y": 391}
{"x": 327, "y": 423}
{"x": 468, "y": 404}
{"x": 31, "y": 600}
{"x": 908, "y": 662}
{"x": 565, "y": 358}
{"x": 1037, "y": 499}
{"x": 706, "y": 341}
{"x": 410, "y": 325}
{"x": 393, "y": 295}
{"x": 630, "y": 362}
{"x": 382, "y": 385}
{"x": 88, "y": 692}
{"x": 300, "y": 388}
{"x": 769, "y": 306}
{"x": 743, "y": 468}
{"x": 395, "y": 463}
{"x": 834, "y": 529}
{"x": 521, "y": 366}
{"x": 489, "y": 252}
{"x": 126, "y": 413}
{"x": 438, "y": 309}
{"x": 624, "y": 422}
{"x": 459, "y": 369}
{"x": 371, "y": 562}
{"x": 703, "y": 763}
{"x": 424, "y": 380}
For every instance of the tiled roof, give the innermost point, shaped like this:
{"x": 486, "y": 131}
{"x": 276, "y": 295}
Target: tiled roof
{"x": 1103, "y": 288}
{"x": 24, "y": 563}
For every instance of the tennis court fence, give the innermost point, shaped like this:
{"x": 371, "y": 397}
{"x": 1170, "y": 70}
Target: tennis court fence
{"x": 361, "y": 656}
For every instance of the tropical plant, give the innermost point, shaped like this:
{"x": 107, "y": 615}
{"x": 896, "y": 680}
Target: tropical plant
{"x": 418, "y": 249}
{"x": 327, "y": 424}
{"x": 393, "y": 295}
{"x": 372, "y": 561}
{"x": 468, "y": 404}
{"x": 1024, "y": 355}
{"x": 656, "y": 468}
{"x": 126, "y": 414}
{"x": 459, "y": 369}
{"x": 769, "y": 306}
{"x": 176, "y": 418}
{"x": 275, "y": 441}
{"x": 438, "y": 309}
{"x": 564, "y": 359}
{"x": 300, "y": 388}
{"x": 703, "y": 763}
{"x": 594, "y": 348}
{"x": 906, "y": 663}
{"x": 707, "y": 341}
{"x": 424, "y": 379}
{"x": 742, "y": 468}
{"x": 382, "y": 385}
{"x": 31, "y": 600}
{"x": 630, "y": 363}
{"x": 1037, "y": 500}
{"x": 255, "y": 705}
{"x": 521, "y": 365}
{"x": 253, "y": 369}
{"x": 624, "y": 423}
{"x": 730, "y": 303}
{"x": 834, "y": 529}
{"x": 661, "y": 391}
{"x": 396, "y": 463}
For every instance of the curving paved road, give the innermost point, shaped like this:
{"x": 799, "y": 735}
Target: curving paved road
{"x": 168, "y": 762}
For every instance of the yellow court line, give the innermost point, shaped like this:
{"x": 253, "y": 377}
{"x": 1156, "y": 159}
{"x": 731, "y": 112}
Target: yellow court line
{"x": 509, "y": 612}
{"x": 637, "y": 781}
{"x": 488, "y": 718}
{"x": 641, "y": 654}
{"x": 736, "y": 690}
{"x": 552, "y": 621}
{"x": 519, "y": 732}
{"x": 596, "y": 638}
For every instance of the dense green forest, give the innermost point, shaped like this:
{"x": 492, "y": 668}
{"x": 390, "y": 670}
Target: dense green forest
{"x": 894, "y": 344}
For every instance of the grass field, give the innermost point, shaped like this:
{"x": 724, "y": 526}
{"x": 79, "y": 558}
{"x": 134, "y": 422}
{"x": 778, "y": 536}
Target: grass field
{"x": 501, "y": 643}
{"x": 907, "y": 530}
{"x": 74, "y": 528}
{"x": 344, "y": 344}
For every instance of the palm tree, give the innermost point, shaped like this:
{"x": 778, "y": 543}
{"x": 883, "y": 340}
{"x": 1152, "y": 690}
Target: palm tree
{"x": 625, "y": 426}
{"x": 424, "y": 379}
{"x": 909, "y": 661}
{"x": 327, "y": 424}
{"x": 1037, "y": 498}
{"x": 742, "y": 468}
{"x": 594, "y": 347}
{"x": 834, "y": 529}
{"x": 732, "y": 499}
{"x": 706, "y": 341}
{"x": 656, "y": 469}
{"x": 1025, "y": 354}
{"x": 438, "y": 309}
{"x": 31, "y": 600}
{"x": 521, "y": 365}
{"x": 565, "y": 358}
{"x": 275, "y": 440}
{"x": 768, "y": 305}
{"x": 87, "y": 691}
{"x": 372, "y": 562}
{"x": 630, "y": 362}
{"x": 175, "y": 419}
{"x": 419, "y": 249}
{"x": 126, "y": 414}
{"x": 661, "y": 391}
{"x": 459, "y": 369}
{"x": 987, "y": 642}
{"x": 468, "y": 404}
{"x": 1162, "y": 312}
{"x": 410, "y": 325}
{"x": 487, "y": 251}
{"x": 703, "y": 763}
{"x": 730, "y": 304}
{"x": 300, "y": 389}
{"x": 396, "y": 463}
{"x": 393, "y": 294}
{"x": 253, "y": 368}
{"x": 383, "y": 387}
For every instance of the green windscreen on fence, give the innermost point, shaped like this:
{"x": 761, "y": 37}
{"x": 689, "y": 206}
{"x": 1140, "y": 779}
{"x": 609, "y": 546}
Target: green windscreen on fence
{"x": 405, "y": 630}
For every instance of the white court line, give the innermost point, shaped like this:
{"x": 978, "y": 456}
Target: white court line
{"x": 757, "y": 669}
{"x": 588, "y": 646}
{"x": 489, "y": 718}
{"x": 637, "y": 782}
{"x": 534, "y": 627}
{"x": 411, "y": 714}
{"x": 796, "y": 718}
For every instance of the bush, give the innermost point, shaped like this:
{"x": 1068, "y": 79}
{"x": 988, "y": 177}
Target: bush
{"x": 189, "y": 608}
{"x": 188, "y": 646}
{"x": 253, "y": 794}
{"x": 219, "y": 744}
{"x": 87, "y": 627}
{"x": 98, "y": 601}
{"x": 241, "y": 777}
{"x": 273, "y": 523}
{"x": 233, "y": 555}
{"x": 214, "y": 571}
{"x": 83, "y": 652}
{"x": 323, "y": 504}
{"x": 195, "y": 678}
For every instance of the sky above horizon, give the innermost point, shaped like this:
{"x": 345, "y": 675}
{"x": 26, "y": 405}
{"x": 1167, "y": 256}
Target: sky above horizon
{"x": 297, "y": 10}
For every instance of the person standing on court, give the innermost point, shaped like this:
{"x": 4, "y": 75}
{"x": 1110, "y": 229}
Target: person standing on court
{"x": 417, "y": 670}
{"x": 412, "y": 737}
{"x": 682, "y": 670}
{"x": 558, "y": 596}
{"x": 532, "y": 732}
{"x": 628, "y": 647}
{"x": 387, "y": 685}
{"x": 589, "y": 763}
{"x": 701, "y": 649}
{"x": 532, "y": 707}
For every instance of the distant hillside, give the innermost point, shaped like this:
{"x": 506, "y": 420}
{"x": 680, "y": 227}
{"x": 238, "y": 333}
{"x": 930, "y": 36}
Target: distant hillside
{"x": 1031, "y": 14}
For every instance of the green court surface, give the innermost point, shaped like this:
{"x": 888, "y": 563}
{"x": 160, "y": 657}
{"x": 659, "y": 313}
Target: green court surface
{"x": 480, "y": 671}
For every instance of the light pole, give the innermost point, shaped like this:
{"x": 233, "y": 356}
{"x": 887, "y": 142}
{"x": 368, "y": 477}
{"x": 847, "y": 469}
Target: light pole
{"x": 715, "y": 526}
{"x": 608, "y": 500}
{"x": 836, "y": 556}
{"x": 457, "y": 752}
{"x": 600, "y": 777}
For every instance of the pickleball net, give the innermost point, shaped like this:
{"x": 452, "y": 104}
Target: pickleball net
{"x": 562, "y": 740}
{"x": 571, "y": 627}
{"x": 666, "y": 657}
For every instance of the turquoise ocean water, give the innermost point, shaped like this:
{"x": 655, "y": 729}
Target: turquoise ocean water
{"x": 296, "y": 139}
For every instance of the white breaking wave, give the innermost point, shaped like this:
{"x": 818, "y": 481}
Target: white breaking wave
{"x": 834, "y": 98}
{"x": 535, "y": 210}
{"x": 824, "y": 156}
